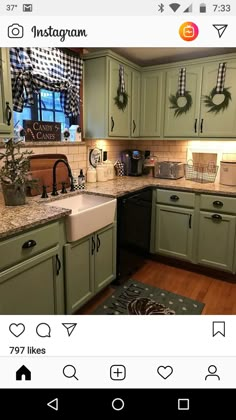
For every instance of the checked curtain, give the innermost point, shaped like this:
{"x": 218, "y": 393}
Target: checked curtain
{"x": 53, "y": 69}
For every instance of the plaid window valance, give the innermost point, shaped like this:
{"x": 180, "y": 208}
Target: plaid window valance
{"x": 33, "y": 69}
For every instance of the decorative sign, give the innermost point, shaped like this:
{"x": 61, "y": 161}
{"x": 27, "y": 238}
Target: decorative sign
{"x": 42, "y": 130}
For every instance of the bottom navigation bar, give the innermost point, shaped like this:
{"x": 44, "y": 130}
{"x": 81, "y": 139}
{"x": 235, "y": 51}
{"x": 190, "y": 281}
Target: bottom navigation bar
{"x": 117, "y": 403}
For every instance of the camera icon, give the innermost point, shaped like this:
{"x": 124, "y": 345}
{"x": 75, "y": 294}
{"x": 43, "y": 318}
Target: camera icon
{"x": 15, "y": 31}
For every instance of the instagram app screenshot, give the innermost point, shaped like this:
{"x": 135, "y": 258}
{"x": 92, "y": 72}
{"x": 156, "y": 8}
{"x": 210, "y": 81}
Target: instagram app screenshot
{"x": 117, "y": 207}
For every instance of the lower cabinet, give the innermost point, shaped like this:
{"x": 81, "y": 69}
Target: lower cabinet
{"x": 174, "y": 231}
{"x": 216, "y": 240}
{"x": 90, "y": 265}
{"x": 29, "y": 288}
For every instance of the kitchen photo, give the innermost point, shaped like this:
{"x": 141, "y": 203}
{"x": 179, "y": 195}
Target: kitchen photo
{"x": 117, "y": 181}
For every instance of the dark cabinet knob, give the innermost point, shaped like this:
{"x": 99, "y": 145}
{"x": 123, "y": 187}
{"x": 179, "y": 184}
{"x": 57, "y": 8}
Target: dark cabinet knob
{"x": 218, "y": 204}
{"x": 112, "y": 123}
{"x": 216, "y": 217}
{"x": 174, "y": 197}
{"x": 29, "y": 244}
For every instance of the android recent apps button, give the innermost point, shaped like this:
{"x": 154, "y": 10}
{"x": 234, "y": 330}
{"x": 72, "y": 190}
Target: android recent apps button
{"x": 188, "y": 31}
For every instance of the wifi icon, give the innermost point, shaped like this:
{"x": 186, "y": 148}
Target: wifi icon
{"x": 174, "y": 6}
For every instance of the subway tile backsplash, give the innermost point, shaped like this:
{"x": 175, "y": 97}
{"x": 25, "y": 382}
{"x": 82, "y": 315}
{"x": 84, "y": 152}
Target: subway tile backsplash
{"x": 175, "y": 150}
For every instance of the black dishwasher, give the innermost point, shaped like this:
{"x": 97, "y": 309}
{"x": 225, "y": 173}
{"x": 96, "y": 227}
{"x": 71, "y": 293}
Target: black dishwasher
{"x": 133, "y": 231}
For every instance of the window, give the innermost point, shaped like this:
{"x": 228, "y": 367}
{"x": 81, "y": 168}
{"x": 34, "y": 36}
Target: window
{"x": 47, "y": 107}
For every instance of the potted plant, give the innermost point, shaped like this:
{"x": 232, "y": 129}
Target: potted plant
{"x": 14, "y": 173}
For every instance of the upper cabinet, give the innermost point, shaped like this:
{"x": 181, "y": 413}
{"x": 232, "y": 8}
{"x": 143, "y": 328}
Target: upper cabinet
{"x": 223, "y": 122}
{"x": 178, "y": 123}
{"x": 200, "y": 111}
{"x": 151, "y": 103}
{"x": 6, "y": 126}
{"x": 119, "y": 120}
{"x": 103, "y": 118}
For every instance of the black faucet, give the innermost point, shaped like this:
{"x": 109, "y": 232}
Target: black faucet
{"x": 54, "y": 182}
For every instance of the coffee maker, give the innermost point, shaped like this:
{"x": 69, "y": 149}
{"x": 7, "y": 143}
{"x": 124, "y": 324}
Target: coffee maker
{"x": 133, "y": 161}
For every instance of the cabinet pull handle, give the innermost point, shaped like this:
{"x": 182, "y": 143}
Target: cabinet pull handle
{"x": 58, "y": 264}
{"x": 174, "y": 197}
{"x": 134, "y": 126}
{"x": 218, "y": 204}
{"x": 98, "y": 243}
{"x": 202, "y": 120}
{"x": 112, "y": 123}
{"x": 195, "y": 125}
{"x": 8, "y": 113}
{"x": 217, "y": 217}
{"x": 93, "y": 245}
{"x": 29, "y": 244}
{"x": 190, "y": 222}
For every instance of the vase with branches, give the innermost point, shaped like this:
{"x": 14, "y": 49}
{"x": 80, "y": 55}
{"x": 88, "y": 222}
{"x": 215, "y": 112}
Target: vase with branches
{"x": 14, "y": 173}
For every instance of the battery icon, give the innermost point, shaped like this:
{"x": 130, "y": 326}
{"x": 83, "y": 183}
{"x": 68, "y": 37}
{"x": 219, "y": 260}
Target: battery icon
{"x": 203, "y": 8}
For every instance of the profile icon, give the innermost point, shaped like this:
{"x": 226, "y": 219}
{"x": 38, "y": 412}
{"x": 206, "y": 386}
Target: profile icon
{"x": 15, "y": 31}
{"x": 212, "y": 369}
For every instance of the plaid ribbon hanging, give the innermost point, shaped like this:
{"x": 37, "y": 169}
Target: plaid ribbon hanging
{"x": 48, "y": 68}
{"x": 220, "y": 83}
{"x": 122, "y": 79}
{"x": 182, "y": 82}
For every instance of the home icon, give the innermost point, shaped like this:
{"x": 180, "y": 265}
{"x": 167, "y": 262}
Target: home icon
{"x": 23, "y": 372}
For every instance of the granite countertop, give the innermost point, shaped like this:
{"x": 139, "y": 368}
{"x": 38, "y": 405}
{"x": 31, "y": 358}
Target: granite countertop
{"x": 20, "y": 218}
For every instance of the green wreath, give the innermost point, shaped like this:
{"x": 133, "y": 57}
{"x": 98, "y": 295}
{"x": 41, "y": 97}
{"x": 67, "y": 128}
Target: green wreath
{"x": 121, "y": 99}
{"x": 180, "y": 110}
{"x": 208, "y": 101}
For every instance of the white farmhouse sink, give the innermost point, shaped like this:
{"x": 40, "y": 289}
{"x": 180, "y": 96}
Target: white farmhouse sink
{"x": 89, "y": 212}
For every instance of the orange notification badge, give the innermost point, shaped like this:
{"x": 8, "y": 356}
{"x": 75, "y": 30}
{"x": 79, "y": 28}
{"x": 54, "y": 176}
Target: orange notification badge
{"x": 188, "y": 31}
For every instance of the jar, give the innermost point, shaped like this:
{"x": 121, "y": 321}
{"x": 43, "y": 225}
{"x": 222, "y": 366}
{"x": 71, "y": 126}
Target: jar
{"x": 101, "y": 173}
{"x": 91, "y": 174}
{"x": 110, "y": 170}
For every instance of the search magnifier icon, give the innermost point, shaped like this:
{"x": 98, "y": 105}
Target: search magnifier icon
{"x": 69, "y": 371}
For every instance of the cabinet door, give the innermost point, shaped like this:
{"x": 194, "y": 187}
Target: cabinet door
{"x": 216, "y": 240}
{"x": 174, "y": 231}
{"x": 105, "y": 257}
{"x": 29, "y": 288}
{"x": 222, "y": 124}
{"x": 135, "y": 104}
{"x": 79, "y": 258}
{"x": 186, "y": 124}
{"x": 6, "y": 126}
{"x": 119, "y": 121}
{"x": 151, "y": 103}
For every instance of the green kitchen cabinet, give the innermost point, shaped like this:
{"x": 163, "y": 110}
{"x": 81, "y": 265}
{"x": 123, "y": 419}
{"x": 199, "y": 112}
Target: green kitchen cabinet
{"x": 79, "y": 271}
{"x": 90, "y": 265}
{"x": 119, "y": 120}
{"x": 102, "y": 117}
{"x": 222, "y": 124}
{"x": 29, "y": 288}
{"x": 174, "y": 231}
{"x": 31, "y": 273}
{"x": 151, "y": 103}
{"x": 216, "y": 240}
{"x": 135, "y": 103}
{"x": 186, "y": 124}
{"x": 6, "y": 116}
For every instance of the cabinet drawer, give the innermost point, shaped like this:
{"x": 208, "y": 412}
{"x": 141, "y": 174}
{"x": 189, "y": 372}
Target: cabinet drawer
{"x": 218, "y": 203}
{"x": 176, "y": 198}
{"x": 14, "y": 250}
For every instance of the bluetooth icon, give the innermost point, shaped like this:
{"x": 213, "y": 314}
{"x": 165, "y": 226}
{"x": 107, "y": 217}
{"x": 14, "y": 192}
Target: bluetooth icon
{"x": 161, "y": 8}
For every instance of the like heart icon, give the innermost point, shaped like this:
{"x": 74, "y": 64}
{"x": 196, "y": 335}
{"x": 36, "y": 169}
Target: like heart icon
{"x": 17, "y": 329}
{"x": 165, "y": 371}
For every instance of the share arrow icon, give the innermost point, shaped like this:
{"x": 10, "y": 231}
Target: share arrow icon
{"x": 220, "y": 29}
{"x": 69, "y": 327}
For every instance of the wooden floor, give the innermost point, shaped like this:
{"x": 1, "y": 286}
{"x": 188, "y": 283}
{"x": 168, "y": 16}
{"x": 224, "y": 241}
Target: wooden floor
{"x": 219, "y": 296}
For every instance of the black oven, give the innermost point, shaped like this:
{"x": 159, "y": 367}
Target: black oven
{"x": 133, "y": 231}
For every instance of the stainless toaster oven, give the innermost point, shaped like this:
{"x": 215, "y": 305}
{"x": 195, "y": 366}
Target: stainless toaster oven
{"x": 169, "y": 170}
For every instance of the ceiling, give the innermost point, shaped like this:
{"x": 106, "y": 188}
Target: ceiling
{"x": 150, "y": 56}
